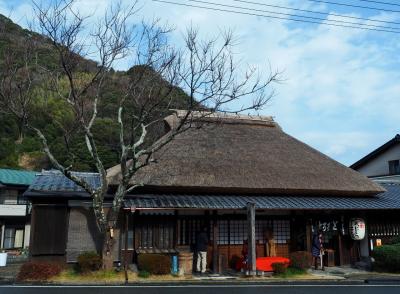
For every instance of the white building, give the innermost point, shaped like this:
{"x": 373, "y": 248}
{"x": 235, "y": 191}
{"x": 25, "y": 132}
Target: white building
{"x": 14, "y": 216}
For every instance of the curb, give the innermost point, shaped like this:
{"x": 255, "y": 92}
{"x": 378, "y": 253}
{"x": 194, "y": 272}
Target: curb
{"x": 204, "y": 282}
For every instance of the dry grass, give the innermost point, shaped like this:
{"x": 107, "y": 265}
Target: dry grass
{"x": 107, "y": 277}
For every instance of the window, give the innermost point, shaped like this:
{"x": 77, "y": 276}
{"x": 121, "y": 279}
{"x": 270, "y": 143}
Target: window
{"x": 188, "y": 228}
{"x": 130, "y": 239}
{"x": 238, "y": 231}
{"x": 156, "y": 235}
{"x": 223, "y": 232}
{"x": 262, "y": 226}
{"x": 281, "y": 231}
{"x": 13, "y": 238}
{"x": 394, "y": 167}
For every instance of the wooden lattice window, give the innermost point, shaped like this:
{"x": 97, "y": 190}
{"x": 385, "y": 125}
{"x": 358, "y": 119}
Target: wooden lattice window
{"x": 281, "y": 231}
{"x": 238, "y": 231}
{"x": 187, "y": 230}
{"x": 156, "y": 235}
{"x": 223, "y": 232}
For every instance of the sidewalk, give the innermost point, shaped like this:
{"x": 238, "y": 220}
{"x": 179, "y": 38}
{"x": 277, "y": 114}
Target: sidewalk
{"x": 352, "y": 274}
{"x": 345, "y": 275}
{"x": 9, "y": 273}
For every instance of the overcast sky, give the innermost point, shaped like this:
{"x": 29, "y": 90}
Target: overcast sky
{"x": 341, "y": 93}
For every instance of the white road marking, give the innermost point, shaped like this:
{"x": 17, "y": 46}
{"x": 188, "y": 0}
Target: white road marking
{"x": 192, "y": 286}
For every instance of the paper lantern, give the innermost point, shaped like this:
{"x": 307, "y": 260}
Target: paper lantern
{"x": 357, "y": 228}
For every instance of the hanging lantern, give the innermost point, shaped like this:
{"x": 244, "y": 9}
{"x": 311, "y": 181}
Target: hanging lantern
{"x": 357, "y": 228}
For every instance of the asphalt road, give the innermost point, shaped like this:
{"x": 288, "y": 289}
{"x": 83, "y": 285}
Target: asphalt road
{"x": 207, "y": 289}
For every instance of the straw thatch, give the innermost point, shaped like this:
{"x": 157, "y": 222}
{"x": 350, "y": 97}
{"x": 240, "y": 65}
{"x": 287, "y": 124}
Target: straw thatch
{"x": 251, "y": 155}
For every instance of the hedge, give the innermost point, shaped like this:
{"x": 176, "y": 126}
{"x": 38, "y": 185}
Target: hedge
{"x": 156, "y": 264}
{"x": 279, "y": 267}
{"x": 88, "y": 262}
{"x": 300, "y": 260}
{"x": 387, "y": 258}
{"x": 38, "y": 271}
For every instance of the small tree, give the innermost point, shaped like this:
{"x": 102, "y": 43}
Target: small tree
{"x": 202, "y": 75}
{"x": 17, "y": 81}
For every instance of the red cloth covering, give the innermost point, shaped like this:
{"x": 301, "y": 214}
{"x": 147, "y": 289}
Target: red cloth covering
{"x": 265, "y": 263}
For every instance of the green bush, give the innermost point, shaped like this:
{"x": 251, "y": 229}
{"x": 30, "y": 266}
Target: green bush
{"x": 38, "y": 271}
{"x": 156, "y": 264}
{"x": 88, "y": 262}
{"x": 279, "y": 268}
{"x": 395, "y": 240}
{"x": 300, "y": 260}
{"x": 292, "y": 272}
{"x": 143, "y": 274}
{"x": 387, "y": 258}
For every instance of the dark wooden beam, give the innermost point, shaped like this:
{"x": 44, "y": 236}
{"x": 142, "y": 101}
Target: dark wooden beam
{"x": 126, "y": 247}
{"x": 215, "y": 242}
{"x": 308, "y": 235}
{"x": 251, "y": 221}
{"x": 176, "y": 230}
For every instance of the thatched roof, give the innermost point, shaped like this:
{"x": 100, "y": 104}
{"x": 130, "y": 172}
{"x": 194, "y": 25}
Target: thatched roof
{"x": 252, "y": 155}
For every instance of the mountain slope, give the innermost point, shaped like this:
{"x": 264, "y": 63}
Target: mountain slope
{"x": 70, "y": 149}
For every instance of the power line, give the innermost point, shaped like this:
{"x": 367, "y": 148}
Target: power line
{"x": 355, "y": 6}
{"x": 317, "y": 12}
{"x": 296, "y": 15}
{"x": 274, "y": 17}
{"x": 380, "y": 2}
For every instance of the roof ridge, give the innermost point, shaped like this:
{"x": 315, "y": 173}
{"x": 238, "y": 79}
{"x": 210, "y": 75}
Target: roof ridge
{"x": 18, "y": 170}
{"x": 238, "y": 117}
{"x": 59, "y": 173}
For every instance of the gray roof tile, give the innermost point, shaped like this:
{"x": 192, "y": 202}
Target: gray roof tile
{"x": 53, "y": 183}
{"x": 387, "y": 200}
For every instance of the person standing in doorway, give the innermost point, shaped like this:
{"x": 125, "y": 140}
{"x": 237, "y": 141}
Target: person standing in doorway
{"x": 317, "y": 249}
{"x": 201, "y": 249}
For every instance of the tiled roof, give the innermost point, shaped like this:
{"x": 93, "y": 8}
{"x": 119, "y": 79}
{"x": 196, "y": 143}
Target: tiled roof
{"x": 16, "y": 177}
{"x": 54, "y": 182}
{"x": 387, "y": 200}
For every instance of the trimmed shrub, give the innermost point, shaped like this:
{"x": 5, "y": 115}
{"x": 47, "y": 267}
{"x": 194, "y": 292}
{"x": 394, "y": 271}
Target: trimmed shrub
{"x": 387, "y": 258}
{"x": 234, "y": 261}
{"x": 38, "y": 271}
{"x": 395, "y": 240}
{"x": 143, "y": 274}
{"x": 88, "y": 262}
{"x": 156, "y": 264}
{"x": 279, "y": 267}
{"x": 300, "y": 260}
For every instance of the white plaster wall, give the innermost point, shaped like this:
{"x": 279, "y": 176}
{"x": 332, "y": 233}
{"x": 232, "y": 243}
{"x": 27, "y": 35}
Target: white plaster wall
{"x": 27, "y": 234}
{"x": 379, "y": 166}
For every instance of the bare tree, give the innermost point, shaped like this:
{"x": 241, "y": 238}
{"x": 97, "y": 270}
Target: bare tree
{"x": 17, "y": 82}
{"x": 206, "y": 71}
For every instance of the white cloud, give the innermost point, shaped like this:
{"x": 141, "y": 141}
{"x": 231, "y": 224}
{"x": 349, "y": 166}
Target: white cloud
{"x": 341, "y": 93}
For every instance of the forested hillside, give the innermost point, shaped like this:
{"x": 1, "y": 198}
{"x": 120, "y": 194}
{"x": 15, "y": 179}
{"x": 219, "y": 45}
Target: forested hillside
{"x": 24, "y": 151}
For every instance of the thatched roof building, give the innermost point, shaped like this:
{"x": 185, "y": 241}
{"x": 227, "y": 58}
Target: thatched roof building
{"x": 248, "y": 155}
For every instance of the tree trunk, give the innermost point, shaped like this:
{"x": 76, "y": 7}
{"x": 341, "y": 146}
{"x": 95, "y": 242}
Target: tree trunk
{"x": 108, "y": 249}
{"x": 20, "y": 135}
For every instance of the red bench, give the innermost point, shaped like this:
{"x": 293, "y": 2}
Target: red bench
{"x": 265, "y": 263}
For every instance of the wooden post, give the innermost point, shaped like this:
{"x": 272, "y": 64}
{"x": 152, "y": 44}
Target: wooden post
{"x": 176, "y": 229}
{"x": 126, "y": 247}
{"x": 308, "y": 235}
{"x": 251, "y": 221}
{"x": 229, "y": 241}
{"x": 215, "y": 242}
{"x": 341, "y": 258}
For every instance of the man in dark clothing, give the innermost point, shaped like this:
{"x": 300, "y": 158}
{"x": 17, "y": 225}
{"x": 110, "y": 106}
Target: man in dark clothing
{"x": 201, "y": 249}
{"x": 317, "y": 249}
